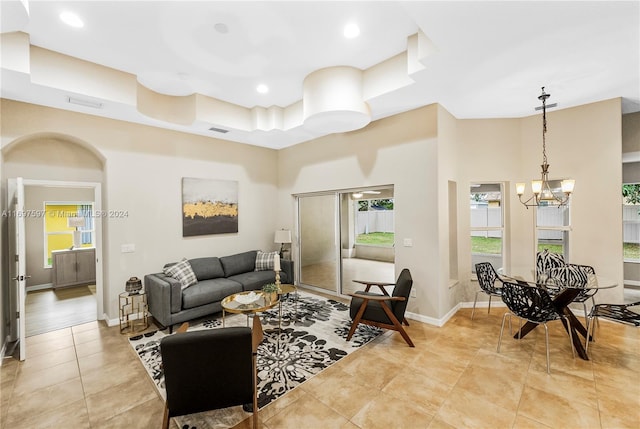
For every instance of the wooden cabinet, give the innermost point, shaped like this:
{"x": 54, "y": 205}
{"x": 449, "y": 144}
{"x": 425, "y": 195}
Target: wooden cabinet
{"x": 74, "y": 267}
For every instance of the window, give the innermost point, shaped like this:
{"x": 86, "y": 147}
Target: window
{"x": 553, "y": 225}
{"x": 631, "y": 221}
{"x": 487, "y": 224}
{"x": 58, "y": 235}
{"x": 375, "y": 221}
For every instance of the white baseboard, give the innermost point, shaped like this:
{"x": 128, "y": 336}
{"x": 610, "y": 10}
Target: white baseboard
{"x": 433, "y": 321}
{"x": 632, "y": 282}
{"x": 39, "y": 287}
{"x": 116, "y": 322}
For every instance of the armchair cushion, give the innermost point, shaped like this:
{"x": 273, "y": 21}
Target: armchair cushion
{"x": 373, "y": 310}
{"x": 208, "y": 369}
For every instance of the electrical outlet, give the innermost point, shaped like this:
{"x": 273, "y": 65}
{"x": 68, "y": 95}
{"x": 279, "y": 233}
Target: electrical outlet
{"x": 408, "y": 242}
{"x": 128, "y": 248}
{"x": 414, "y": 293}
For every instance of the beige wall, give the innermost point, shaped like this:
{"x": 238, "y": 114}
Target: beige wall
{"x": 419, "y": 152}
{"x": 143, "y": 168}
{"x": 400, "y": 150}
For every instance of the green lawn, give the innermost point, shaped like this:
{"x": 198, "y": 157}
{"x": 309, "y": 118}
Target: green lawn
{"x": 485, "y": 245}
{"x": 376, "y": 238}
{"x": 492, "y": 245}
{"x": 632, "y": 251}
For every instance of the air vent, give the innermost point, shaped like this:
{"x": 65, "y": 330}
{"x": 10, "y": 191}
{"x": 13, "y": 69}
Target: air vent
{"x": 218, "y": 130}
{"x": 85, "y": 103}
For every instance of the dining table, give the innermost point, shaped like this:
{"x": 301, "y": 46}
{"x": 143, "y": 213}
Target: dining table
{"x": 563, "y": 293}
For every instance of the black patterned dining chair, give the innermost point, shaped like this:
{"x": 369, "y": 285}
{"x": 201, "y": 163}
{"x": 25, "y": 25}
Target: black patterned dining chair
{"x": 620, "y": 313}
{"x": 576, "y": 276}
{"x": 533, "y": 304}
{"x": 487, "y": 277}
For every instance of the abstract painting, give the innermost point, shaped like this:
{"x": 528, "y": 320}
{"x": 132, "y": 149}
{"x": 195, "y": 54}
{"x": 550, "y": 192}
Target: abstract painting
{"x": 209, "y": 206}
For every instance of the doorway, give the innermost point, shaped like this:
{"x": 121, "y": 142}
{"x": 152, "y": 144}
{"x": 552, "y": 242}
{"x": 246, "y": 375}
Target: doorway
{"x": 47, "y": 310}
{"x": 344, "y": 236}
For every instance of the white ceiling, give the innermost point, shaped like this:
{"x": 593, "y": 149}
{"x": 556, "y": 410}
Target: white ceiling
{"x": 489, "y": 59}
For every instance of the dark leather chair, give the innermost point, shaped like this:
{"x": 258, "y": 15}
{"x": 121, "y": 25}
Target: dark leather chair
{"x": 532, "y": 304}
{"x": 210, "y": 369}
{"x": 487, "y": 277}
{"x": 620, "y": 313}
{"x": 382, "y": 310}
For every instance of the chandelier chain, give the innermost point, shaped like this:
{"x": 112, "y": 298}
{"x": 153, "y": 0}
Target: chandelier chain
{"x": 544, "y": 97}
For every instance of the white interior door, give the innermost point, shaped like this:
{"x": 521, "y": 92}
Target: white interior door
{"x": 17, "y": 252}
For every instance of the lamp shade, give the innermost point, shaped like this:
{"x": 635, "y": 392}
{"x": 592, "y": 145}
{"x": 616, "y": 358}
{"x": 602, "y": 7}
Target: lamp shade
{"x": 75, "y": 222}
{"x": 282, "y": 236}
{"x": 133, "y": 285}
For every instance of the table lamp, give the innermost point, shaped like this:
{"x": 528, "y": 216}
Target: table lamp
{"x": 76, "y": 222}
{"x": 282, "y": 236}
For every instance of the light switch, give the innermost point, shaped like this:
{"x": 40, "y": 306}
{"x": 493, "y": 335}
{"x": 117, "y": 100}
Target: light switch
{"x": 408, "y": 242}
{"x": 128, "y": 248}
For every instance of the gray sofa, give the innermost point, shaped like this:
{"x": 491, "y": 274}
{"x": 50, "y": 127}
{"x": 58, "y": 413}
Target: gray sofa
{"x": 217, "y": 278}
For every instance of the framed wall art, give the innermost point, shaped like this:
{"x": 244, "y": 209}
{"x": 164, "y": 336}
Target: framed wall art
{"x": 209, "y": 206}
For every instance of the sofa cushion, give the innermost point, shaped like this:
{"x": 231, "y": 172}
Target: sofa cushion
{"x": 254, "y": 280}
{"x": 264, "y": 260}
{"x": 207, "y": 268}
{"x": 208, "y": 291}
{"x": 239, "y": 263}
{"x": 182, "y": 272}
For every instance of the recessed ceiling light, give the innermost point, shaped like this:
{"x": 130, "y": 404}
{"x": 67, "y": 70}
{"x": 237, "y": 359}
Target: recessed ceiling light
{"x": 262, "y": 88}
{"x": 351, "y": 30}
{"x": 221, "y": 28}
{"x": 71, "y": 19}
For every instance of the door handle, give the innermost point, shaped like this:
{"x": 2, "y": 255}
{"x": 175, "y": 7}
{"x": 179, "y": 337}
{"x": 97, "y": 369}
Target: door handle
{"x": 20, "y": 278}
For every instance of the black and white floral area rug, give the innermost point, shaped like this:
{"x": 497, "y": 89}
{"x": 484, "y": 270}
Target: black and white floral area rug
{"x": 312, "y": 337}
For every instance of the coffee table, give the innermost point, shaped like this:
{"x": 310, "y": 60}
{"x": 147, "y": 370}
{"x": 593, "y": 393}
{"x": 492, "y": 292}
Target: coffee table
{"x": 237, "y": 304}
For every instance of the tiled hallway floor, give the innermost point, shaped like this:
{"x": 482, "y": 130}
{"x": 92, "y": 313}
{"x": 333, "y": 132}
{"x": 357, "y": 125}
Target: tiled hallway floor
{"x": 88, "y": 377}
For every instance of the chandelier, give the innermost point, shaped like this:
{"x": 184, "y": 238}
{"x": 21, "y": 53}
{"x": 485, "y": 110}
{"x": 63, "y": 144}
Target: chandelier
{"x": 543, "y": 193}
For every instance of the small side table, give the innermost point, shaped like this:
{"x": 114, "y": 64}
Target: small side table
{"x": 133, "y": 312}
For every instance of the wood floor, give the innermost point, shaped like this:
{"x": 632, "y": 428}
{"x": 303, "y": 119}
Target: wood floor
{"x": 49, "y": 310}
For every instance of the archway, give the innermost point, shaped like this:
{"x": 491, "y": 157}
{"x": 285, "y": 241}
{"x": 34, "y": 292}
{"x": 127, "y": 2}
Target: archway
{"x": 53, "y": 164}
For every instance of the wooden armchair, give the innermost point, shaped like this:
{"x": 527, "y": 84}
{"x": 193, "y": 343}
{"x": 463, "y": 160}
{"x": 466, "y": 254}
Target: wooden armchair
{"x": 382, "y": 310}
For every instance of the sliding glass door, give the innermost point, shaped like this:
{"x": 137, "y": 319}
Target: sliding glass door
{"x": 318, "y": 237}
{"x": 345, "y": 236}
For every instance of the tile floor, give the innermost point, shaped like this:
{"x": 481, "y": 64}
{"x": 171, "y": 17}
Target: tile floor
{"x": 88, "y": 377}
